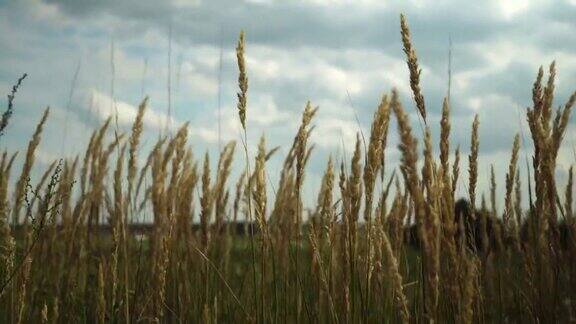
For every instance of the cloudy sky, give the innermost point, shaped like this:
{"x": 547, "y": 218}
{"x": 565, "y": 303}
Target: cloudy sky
{"x": 341, "y": 55}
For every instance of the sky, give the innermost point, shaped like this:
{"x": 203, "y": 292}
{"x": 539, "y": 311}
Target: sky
{"x": 82, "y": 56}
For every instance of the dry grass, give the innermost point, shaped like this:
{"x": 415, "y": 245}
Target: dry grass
{"x": 294, "y": 265}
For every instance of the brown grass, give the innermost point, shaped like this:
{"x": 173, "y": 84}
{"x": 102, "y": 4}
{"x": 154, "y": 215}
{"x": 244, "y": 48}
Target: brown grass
{"x": 293, "y": 264}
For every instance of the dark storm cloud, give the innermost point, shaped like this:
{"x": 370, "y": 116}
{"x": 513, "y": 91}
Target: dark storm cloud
{"x": 290, "y": 23}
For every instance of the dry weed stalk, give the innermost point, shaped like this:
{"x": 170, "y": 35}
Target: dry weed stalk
{"x": 418, "y": 256}
{"x": 415, "y": 71}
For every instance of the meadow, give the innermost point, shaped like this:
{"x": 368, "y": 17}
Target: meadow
{"x": 376, "y": 248}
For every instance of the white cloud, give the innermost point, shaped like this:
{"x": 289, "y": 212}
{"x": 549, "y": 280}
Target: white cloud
{"x": 186, "y": 4}
{"x": 333, "y": 133}
{"x": 265, "y": 112}
{"x": 367, "y": 3}
{"x": 490, "y": 101}
{"x": 154, "y": 121}
{"x": 197, "y": 82}
{"x": 125, "y": 113}
{"x": 511, "y": 8}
